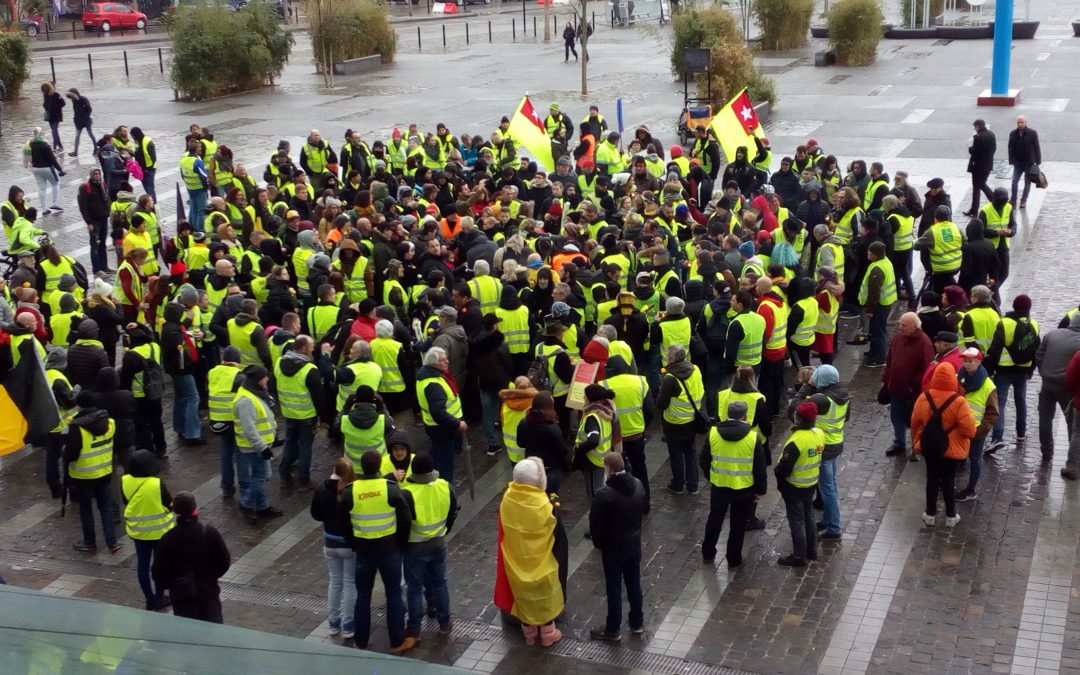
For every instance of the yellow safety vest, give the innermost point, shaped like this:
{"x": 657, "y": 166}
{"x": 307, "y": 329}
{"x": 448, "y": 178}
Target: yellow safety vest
{"x": 997, "y": 223}
{"x": 60, "y": 324}
{"x": 977, "y": 399}
{"x": 510, "y": 420}
{"x": 727, "y": 396}
{"x": 778, "y": 338}
{"x": 844, "y": 229}
{"x": 300, "y": 258}
{"x": 838, "y": 258}
{"x": 487, "y": 291}
{"x": 731, "y": 463}
{"x": 264, "y": 419}
{"x": 453, "y": 401}
{"x": 810, "y": 443}
{"x": 603, "y": 446}
{"x": 371, "y": 514}
{"x": 826, "y": 324}
{"x": 56, "y": 376}
{"x": 674, "y": 332}
{"x": 355, "y": 285}
{"x": 240, "y": 337}
{"x": 192, "y": 179}
{"x": 385, "y": 351}
{"x": 753, "y": 327}
{"x": 1008, "y": 326}
{"x": 549, "y": 353}
{"x": 320, "y": 319}
{"x": 316, "y": 158}
{"x": 904, "y": 236}
{"x": 136, "y": 284}
{"x": 358, "y": 441}
{"x": 364, "y": 372}
{"x": 630, "y": 391}
{"x": 389, "y": 286}
{"x": 145, "y": 517}
{"x": 514, "y": 325}
{"x": 984, "y": 321}
{"x": 147, "y": 161}
{"x": 95, "y": 458}
{"x": 681, "y": 410}
{"x": 832, "y": 422}
{"x": 293, "y": 394}
{"x": 887, "y": 295}
{"x": 54, "y": 272}
{"x": 432, "y": 504}
{"x": 219, "y": 383}
{"x": 151, "y": 351}
{"x": 948, "y": 244}
{"x": 804, "y": 332}
{"x": 871, "y": 190}
{"x": 387, "y": 467}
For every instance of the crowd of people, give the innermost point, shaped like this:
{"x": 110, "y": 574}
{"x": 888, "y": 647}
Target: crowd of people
{"x": 446, "y": 281}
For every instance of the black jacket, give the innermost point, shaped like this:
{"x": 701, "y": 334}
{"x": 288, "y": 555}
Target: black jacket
{"x": 616, "y": 513}
{"x": 1024, "y": 148}
{"x": 191, "y": 549}
{"x": 120, "y": 406}
{"x": 633, "y": 330}
{"x": 980, "y": 258}
{"x": 490, "y": 360}
{"x": 983, "y": 147}
{"x": 175, "y": 357}
{"x": 324, "y": 508}
{"x": 543, "y": 439}
{"x": 672, "y": 385}
{"x": 93, "y": 201}
{"x": 42, "y": 156}
{"x": 787, "y": 189}
{"x": 81, "y": 110}
{"x": 85, "y": 361}
{"x": 54, "y": 107}
{"x": 95, "y": 421}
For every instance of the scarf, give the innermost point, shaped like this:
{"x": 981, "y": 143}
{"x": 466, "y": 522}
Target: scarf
{"x": 606, "y": 409}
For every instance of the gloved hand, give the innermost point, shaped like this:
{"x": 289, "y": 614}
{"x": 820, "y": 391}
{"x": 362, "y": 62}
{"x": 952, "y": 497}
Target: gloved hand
{"x": 267, "y": 453}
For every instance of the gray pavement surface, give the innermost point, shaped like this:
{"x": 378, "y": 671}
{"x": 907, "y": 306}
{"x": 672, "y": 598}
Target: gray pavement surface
{"x": 993, "y": 595}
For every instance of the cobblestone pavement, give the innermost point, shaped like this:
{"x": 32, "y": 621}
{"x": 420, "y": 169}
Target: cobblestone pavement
{"x": 993, "y": 594}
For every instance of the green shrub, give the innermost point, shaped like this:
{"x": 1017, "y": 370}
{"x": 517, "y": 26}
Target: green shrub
{"x": 217, "y": 51}
{"x": 786, "y": 23}
{"x": 732, "y": 62}
{"x": 937, "y": 7}
{"x": 854, "y": 31}
{"x": 349, "y": 29}
{"x": 14, "y": 62}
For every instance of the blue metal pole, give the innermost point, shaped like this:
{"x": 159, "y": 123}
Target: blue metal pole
{"x": 1003, "y": 23}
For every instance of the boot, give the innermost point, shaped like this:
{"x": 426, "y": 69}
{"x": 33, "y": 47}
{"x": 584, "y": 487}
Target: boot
{"x": 549, "y": 634}
{"x": 530, "y": 633}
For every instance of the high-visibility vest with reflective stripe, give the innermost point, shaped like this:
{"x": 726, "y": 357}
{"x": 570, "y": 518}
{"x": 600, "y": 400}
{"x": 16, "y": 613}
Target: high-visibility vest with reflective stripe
{"x": 650, "y": 306}
{"x": 727, "y": 396}
{"x": 826, "y": 323}
{"x": 393, "y": 284}
{"x": 622, "y": 262}
{"x": 832, "y": 422}
{"x": 487, "y": 291}
{"x": 320, "y": 319}
{"x": 145, "y": 517}
{"x": 136, "y": 284}
{"x": 60, "y": 323}
{"x": 984, "y": 321}
{"x": 371, "y": 514}
{"x": 510, "y": 420}
{"x": 844, "y": 230}
{"x": 264, "y": 419}
{"x": 54, "y": 272}
{"x": 147, "y": 160}
{"x": 630, "y": 391}
{"x": 358, "y": 441}
{"x": 603, "y": 445}
{"x": 871, "y": 190}
{"x": 549, "y": 353}
{"x": 514, "y": 325}
{"x": 17, "y": 340}
{"x": 997, "y": 222}
{"x": 191, "y": 178}
{"x": 385, "y": 351}
{"x": 276, "y": 350}
{"x": 680, "y": 410}
{"x": 661, "y": 284}
{"x": 300, "y": 258}
{"x": 317, "y": 158}
{"x": 240, "y": 337}
{"x": 95, "y": 458}
{"x": 355, "y": 284}
{"x": 219, "y": 384}
{"x": 1008, "y": 326}
{"x": 55, "y": 376}
{"x": 948, "y": 247}
{"x": 293, "y": 394}
{"x": 977, "y": 399}
{"x": 887, "y": 294}
{"x": 142, "y": 240}
{"x": 432, "y": 504}
{"x": 215, "y": 296}
{"x": 838, "y": 258}
{"x": 810, "y": 443}
{"x": 778, "y": 338}
{"x": 753, "y": 327}
{"x": 731, "y": 463}
{"x": 623, "y": 349}
{"x": 453, "y": 401}
{"x": 674, "y": 332}
{"x": 151, "y": 351}
{"x": 364, "y": 372}
{"x": 804, "y": 332}
{"x": 904, "y": 236}
{"x": 570, "y": 340}
{"x": 800, "y": 239}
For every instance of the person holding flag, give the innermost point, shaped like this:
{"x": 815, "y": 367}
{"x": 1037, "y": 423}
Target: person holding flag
{"x": 530, "y": 133}
{"x": 736, "y": 125}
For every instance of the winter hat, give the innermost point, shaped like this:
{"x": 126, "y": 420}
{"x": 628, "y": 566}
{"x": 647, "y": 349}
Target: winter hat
{"x": 595, "y": 392}
{"x": 746, "y": 249}
{"x": 824, "y": 376}
{"x": 102, "y": 288}
{"x": 807, "y": 410}
{"x": 682, "y": 210}
{"x": 231, "y": 354}
{"x": 365, "y": 394}
{"x": 422, "y": 463}
{"x": 560, "y": 309}
{"x": 1022, "y": 304}
{"x": 946, "y": 336}
{"x": 737, "y": 410}
{"x": 184, "y": 505}
{"x": 67, "y": 282}
{"x": 676, "y": 151}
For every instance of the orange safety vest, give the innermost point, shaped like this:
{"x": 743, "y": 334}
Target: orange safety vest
{"x": 446, "y": 232}
{"x": 560, "y": 259}
{"x": 590, "y": 153}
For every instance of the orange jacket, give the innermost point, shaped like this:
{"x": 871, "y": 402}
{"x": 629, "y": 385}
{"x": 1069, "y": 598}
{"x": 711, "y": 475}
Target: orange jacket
{"x": 957, "y": 419}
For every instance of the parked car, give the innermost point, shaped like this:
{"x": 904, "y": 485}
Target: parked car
{"x": 105, "y": 16}
{"x": 31, "y": 25}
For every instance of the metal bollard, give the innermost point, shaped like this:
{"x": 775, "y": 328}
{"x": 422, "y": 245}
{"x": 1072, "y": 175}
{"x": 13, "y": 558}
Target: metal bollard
{"x": 534, "y": 26}
{"x": 444, "y": 35}
{"x": 513, "y": 28}
{"x": 466, "y": 33}
{"x": 52, "y": 67}
{"x": 90, "y": 63}
{"x": 419, "y": 46}
{"x": 489, "y": 31}
{"x": 127, "y": 71}
{"x": 73, "y": 37}
{"x": 161, "y": 61}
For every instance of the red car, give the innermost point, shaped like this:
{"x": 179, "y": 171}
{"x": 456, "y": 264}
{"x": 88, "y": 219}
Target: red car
{"x": 105, "y": 16}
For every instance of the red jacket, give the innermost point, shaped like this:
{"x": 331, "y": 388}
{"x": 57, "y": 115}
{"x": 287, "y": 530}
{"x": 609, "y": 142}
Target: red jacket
{"x": 953, "y": 357}
{"x": 908, "y": 359}
{"x": 766, "y": 308}
{"x": 364, "y": 326}
{"x": 1072, "y": 379}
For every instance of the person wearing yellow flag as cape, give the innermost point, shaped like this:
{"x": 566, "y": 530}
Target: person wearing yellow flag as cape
{"x": 530, "y": 581}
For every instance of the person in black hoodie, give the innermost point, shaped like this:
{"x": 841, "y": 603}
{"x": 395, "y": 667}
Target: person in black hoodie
{"x": 82, "y": 457}
{"x": 728, "y": 439}
{"x": 86, "y": 357}
{"x": 56, "y": 360}
{"x": 119, "y": 404}
{"x": 490, "y": 359}
{"x": 179, "y": 358}
{"x": 189, "y": 560}
{"x": 930, "y": 314}
{"x": 632, "y": 326}
{"x": 280, "y": 299}
{"x": 615, "y": 522}
{"x": 340, "y": 558}
{"x": 81, "y": 110}
{"x": 93, "y": 200}
{"x": 980, "y": 259}
{"x": 149, "y": 428}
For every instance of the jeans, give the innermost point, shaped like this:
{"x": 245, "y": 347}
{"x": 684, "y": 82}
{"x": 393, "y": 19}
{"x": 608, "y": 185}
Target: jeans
{"x": 900, "y": 414}
{"x": 568, "y": 47}
{"x": 634, "y": 451}
{"x": 489, "y": 402}
{"x": 54, "y": 451}
{"x": 827, "y": 475}
{"x": 879, "y": 334}
{"x": 623, "y": 566}
{"x": 425, "y": 574}
{"x": 252, "y": 472}
{"x": 1051, "y": 397}
{"x": 388, "y": 565}
{"x": 975, "y": 463}
{"x": 799, "y": 504}
{"x": 196, "y": 208}
{"x": 86, "y": 493}
{"x": 442, "y": 452}
{"x": 1018, "y": 174}
{"x": 1017, "y": 381}
{"x": 148, "y": 181}
{"x": 99, "y": 237}
{"x": 299, "y": 437}
{"x": 594, "y": 480}
{"x": 227, "y": 457}
{"x": 186, "y": 407}
{"x": 144, "y": 553}
{"x": 684, "y": 466}
{"x": 46, "y": 178}
{"x": 940, "y": 475}
{"x": 341, "y": 593}
{"x": 149, "y": 429}
{"x": 89, "y": 132}
{"x": 719, "y": 502}
{"x": 55, "y": 128}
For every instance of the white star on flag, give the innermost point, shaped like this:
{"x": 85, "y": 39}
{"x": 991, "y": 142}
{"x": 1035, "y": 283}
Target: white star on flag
{"x": 746, "y": 113}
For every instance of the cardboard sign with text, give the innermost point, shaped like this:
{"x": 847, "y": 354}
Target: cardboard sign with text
{"x": 584, "y": 375}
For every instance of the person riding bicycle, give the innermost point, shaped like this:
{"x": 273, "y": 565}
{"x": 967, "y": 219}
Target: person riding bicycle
{"x": 24, "y": 234}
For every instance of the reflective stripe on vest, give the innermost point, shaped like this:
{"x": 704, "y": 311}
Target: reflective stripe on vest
{"x": 54, "y": 272}
{"x": 96, "y": 457}
{"x": 145, "y": 517}
{"x": 149, "y": 351}
{"x": 219, "y": 384}
{"x": 630, "y": 391}
{"x": 364, "y": 372}
{"x": 240, "y": 337}
{"x": 904, "y": 236}
{"x": 603, "y": 445}
{"x": 810, "y": 443}
{"x": 510, "y": 420}
{"x": 486, "y": 290}
{"x": 293, "y": 394}
{"x": 191, "y": 178}
{"x": 725, "y": 397}
{"x": 358, "y": 441}
{"x": 826, "y": 323}
{"x": 838, "y": 258}
{"x": 948, "y": 247}
{"x": 355, "y": 283}
{"x": 514, "y": 325}
{"x": 832, "y": 422}
{"x": 264, "y": 420}
{"x": 804, "y": 332}
{"x": 1008, "y": 326}
{"x": 997, "y": 222}
{"x": 55, "y": 376}
{"x": 844, "y": 229}
{"x": 384, "y": 351}
{"x": 977, "y": 399}
{"x": 778, "y": 338}
{"x": 674, "y": 332}
{"x": 432, "y": 504}
{"x": 887, "y": 293}
{"x": 680, "y": 410}
{"x": 453, "y": 401}
{"x": 731, "y": 463}
{"x": 371, "y": 514}
{"x": 984, "y": 321}
{"x": 549, "y": 353}
{"x": 753, "y": 327}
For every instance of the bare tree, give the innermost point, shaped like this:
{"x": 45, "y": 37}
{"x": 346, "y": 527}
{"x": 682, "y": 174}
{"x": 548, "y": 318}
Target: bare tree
{"x": 582, "y": 6}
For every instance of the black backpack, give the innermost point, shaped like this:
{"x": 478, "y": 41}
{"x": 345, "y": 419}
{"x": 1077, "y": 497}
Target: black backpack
{"x": 1025, "y": 342}
{"x": 539, "y": 374}
{"x": 934, "y": 439}
{"x": 716, "y": 329}
{"x": 153, "y": 377}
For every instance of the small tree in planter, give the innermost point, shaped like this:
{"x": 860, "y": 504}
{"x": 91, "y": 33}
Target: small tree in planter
{"x": 855, "y": 31}
{"x": 349, "y": 29}
{"x": 785, "y": 23}
{"x": 732, "y": 62}
{"x": 14, "y": 62}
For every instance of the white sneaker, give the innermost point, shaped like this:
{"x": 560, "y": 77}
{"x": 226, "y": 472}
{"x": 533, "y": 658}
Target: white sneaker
{"x": 951, "y": 521}
{"x": 929, "y": 520}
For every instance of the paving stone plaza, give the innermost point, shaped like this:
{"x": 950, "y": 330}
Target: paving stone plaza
{"x": 999, "y": 593}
